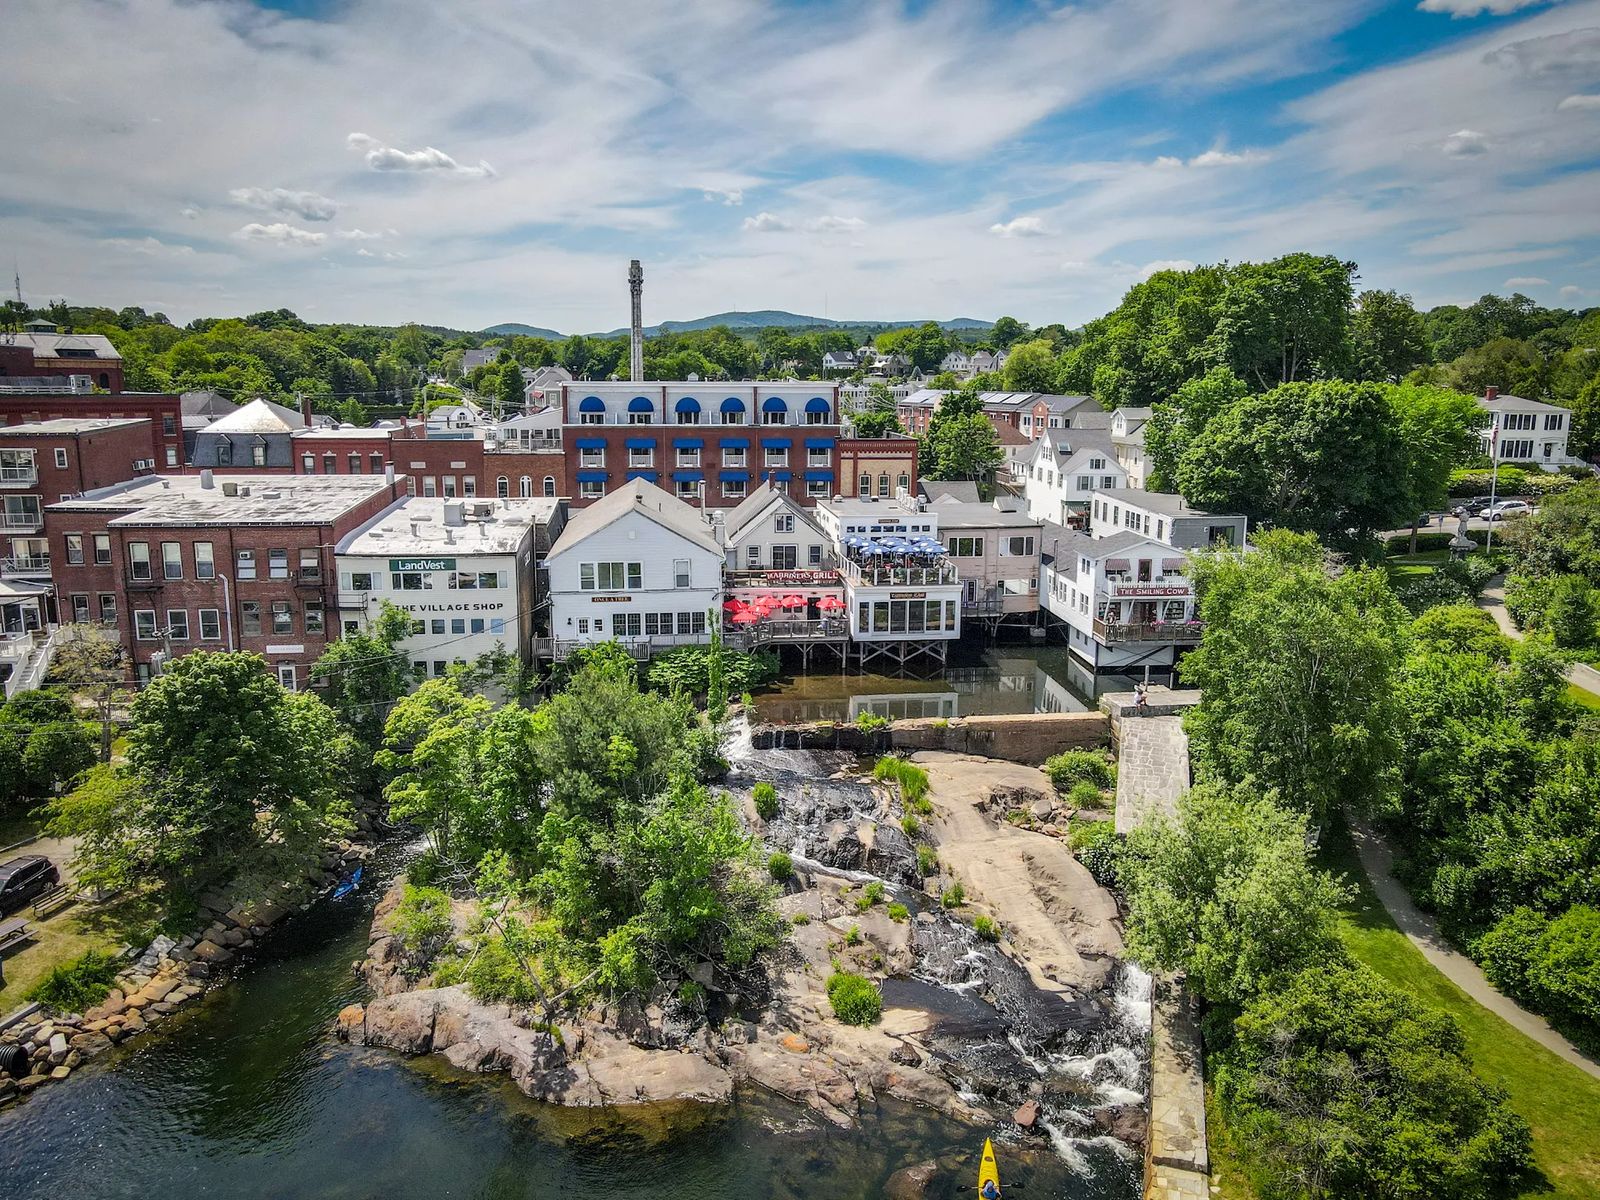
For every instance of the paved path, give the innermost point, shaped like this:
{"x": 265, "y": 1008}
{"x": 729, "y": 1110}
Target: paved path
{"x": 1493, "y": 602}
{"x": 1377, "y": 861}
{"x": 1152, "y": 769}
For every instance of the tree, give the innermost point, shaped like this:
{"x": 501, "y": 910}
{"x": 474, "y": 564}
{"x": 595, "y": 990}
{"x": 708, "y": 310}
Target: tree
{"x": 1227, "y": 894}
{"x": 964, "y": 447}
{"x": 1583, "y": 439}
{"x": 91, "y": 664}
{"x": 875, "y": 424}
{"x": 1008, "y": 330}
{"x": 1032, "y": 367}
{"x": 1285, "y": 321}
{"x": 1339, "y": 1084}
{"x": 1388, "y": 336}
{"x": 361, "y": 676}
{"x": 43, "y": 746}
{"x": 1516, "y": 368}
{"x": 1438, "y": 430}
{"x": 1175, "y": 424}
{"x": 1297, "y": 671}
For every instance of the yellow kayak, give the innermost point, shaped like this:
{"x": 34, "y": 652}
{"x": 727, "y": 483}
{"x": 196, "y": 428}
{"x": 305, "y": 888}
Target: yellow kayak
{"x": 988, "y": 1172}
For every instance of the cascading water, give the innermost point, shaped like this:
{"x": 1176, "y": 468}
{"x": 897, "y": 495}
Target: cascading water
{"x": 995, "y": 1035}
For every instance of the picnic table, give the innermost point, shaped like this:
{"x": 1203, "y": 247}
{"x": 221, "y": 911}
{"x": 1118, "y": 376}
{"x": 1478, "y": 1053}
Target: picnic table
{"x": 14, "y": 932}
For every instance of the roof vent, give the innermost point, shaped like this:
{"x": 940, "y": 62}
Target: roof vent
{"x": 206, "y": 480}
{"x": 230, "y": 488}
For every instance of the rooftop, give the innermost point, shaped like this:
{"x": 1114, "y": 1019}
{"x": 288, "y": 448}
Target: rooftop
{"x": 343, "y": 431}
{"x": 259, "y": 416}
{"x": 256, "y": 499}
{"x": 957, "y": 514}
{"x": 416, "y": 524}
{"x": 1165, "y": 503}
{"x": 637, "y": 496}
{"x": 740, "y": 516}
{"x": 1504, "y": 403}
{"x": 68, "y": 345}
{"x": 60, "y": 426}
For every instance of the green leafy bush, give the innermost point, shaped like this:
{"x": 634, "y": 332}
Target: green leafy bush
{"x": 1072, "y": 766}
{"x": 1426, "y": 542}
{"x": 911, "y": 779}
{"x": 871, "y": 722}
{"x": 927, "y": 860}
{"x": 953, "y": 896}
{"x": 853, "y": 937}
{"x": 1096, "y": 845}
{"x": 899, "y": 913}
{"x": 688, "y": 668}
{"x": 77, "y": 985}
{"x": 766, "y": 800}
{"x": 910, "y": 825}
{"x": 422, "y": 925}
{"x": 873, "y": 893}
{"x": 986, "y": 928}
{"x": 1085, "y": 794}
{"x": 780, "y": 866}
{"x": 800, "y": 919}
{"x": 854, "y": 999}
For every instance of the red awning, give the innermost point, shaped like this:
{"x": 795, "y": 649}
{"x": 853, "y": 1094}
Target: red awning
{"x": 1174, "y": 564}
{"x": 1116, "y": 564}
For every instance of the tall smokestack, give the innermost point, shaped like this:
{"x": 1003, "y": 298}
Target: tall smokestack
{"x": 636, "y": 344}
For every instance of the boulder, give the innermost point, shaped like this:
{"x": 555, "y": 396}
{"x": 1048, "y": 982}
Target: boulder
{"x": 61, "y": 1072}
{"x": 910, "y": 1183}
{"x": 209, "y": 951}
{"x": 28, "y": 1082}
{"x": 350, "y": 1023}
{"x": 58, "y": 1047}
{"x": 904, "y": 1054}
{"x": 1041, "y": 810}
{"x": 1027, "y": 1115}
{"x": 1125, "y": 1122}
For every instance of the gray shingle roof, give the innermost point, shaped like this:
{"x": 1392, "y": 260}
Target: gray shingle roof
{"x": 646, "y": 499}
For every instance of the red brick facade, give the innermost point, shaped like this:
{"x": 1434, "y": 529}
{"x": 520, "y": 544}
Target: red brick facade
{"x": 435, "y": 466}
{"x": 164, "y": 412}
{"x": 19, "y": 361}
{"x": 882, "y": 463}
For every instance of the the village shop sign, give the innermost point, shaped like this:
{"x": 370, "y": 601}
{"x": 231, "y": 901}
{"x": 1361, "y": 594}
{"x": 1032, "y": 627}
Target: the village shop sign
{"x": 477, "y": 606}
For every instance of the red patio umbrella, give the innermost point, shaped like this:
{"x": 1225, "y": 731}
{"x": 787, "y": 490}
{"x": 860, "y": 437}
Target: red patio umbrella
{"x": 830, "y": 604}
{"x": 795, "y": 601}
{"x": 745, "y": 616}
{"x": 764, "y": 603}
{"x": 733, "y": 606}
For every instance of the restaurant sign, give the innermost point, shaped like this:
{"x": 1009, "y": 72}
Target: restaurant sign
{"x": 422, "y": 564}
{"x": 1148, "y": 589}
{"x": 801, "y": 578}
{"x": 908, "y": 595}
{"x": 610, "y": 600}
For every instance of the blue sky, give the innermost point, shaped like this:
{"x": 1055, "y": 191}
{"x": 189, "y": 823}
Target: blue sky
{"x": 491, "y": 160}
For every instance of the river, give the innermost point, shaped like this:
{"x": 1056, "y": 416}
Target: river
{"x": 247, "y": 1094}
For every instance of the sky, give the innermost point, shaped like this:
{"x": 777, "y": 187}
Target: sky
{"x": 481, "y": 161}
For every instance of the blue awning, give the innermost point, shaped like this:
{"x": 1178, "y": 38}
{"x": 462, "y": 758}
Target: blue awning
{"x": 774, "y": 404}
{"x": 827, "y": 475}
{"x": 818, "y": 404}
{"x": 687, "y": 404}
{"x": 647, "y": 476}
{"x": 589, "y": 443}
{"x": 744, "y": 475}
{"x": 735, "y": 443}
{"x": 591, "y": 404}
{"x": 641, "y": 404}
{"x": 819, "y": 443}
{"x": 777, "y": 443}
{"x": 639, "y": 443}
{"x": 687, "y": 443}
{"x": 733, "y": 404}
{"x": 593, "y": 476}
{"x": 777, "y": 476}
{"x": 688, "y": 476}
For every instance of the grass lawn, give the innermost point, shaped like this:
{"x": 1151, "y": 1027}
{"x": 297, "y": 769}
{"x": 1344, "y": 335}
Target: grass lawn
{"x": 1227, "y": 1169}
{"x": 1581, "y": 696}
{"x": 1560, "y": 1103}
{"x": 62, "y": 937}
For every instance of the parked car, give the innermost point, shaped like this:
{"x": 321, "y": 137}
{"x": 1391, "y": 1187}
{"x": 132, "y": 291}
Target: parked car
{"x": 1475, "y": 507}
{"x": 24, "y": 879}
{"x": 1510, "y": 508}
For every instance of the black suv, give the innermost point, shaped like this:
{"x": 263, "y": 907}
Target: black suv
{"x": 1476, "y": 507}
{"x": 24, "y": 879}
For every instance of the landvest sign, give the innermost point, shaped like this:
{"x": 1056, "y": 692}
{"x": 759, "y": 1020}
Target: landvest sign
{"x": 422, "y": 564}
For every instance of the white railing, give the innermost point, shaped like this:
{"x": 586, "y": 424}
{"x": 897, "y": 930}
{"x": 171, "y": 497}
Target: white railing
{"x": 14, "y": 476}
{"x": 12, "y": 519}
{"x": 25, "y": 564}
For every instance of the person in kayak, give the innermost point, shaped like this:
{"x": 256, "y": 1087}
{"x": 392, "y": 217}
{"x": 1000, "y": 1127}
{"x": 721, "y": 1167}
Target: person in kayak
{"x": 991, "y": 1190}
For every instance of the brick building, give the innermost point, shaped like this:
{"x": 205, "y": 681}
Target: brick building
{"x": 178, "y": 563}
{"x": 448, "y": 467}
{"x": 164, "y": 412}
{"x": 877, "y": 466}
{"x": 41, "y": 351}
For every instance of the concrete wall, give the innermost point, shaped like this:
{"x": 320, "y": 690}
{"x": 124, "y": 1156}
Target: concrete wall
{"x": 1028, "y": 738}
{"x": 1176, "y": 1165}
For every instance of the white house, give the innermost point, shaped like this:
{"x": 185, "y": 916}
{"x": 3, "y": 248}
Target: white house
{"x": 957, "y": 362}
{"x": 1122, "y": 588}
{"x": 839, "y": 360}
{"x": 1064, "y": 470}
{"x": 462, "y": 569}
{"x": 1528, "y": 431}
{"x": 640, "y": 566}
{"x": 1127, "y": 438}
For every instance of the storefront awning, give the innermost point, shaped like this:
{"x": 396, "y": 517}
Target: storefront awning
{"x": 593, "y": 476}
{"x": 1116, "y": 564}
{"x": 590, "y": 443}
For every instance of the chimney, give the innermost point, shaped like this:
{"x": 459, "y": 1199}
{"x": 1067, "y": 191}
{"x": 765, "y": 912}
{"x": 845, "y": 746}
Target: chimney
{"x": 206, "y": 483}
{"x": 305, "y": 410}
{"x": 1491, "y": 393}
{"x": 388, "y": 474}
{"x": 636, "y": 342}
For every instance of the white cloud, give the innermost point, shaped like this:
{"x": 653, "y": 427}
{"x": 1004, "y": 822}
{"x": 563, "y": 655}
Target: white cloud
{"x": 1472, "y": 8}
{"x": 189, "y": 213}
{"x": 765, "y": 222}
{"x": 1167, "y": 162}
{"x": 147, "y": 245}
{"x": 1465, "y": 143}
{"x": 1228, "y": 158}
{"x": 282, "y": 233}
{"x": 308, "y": 206}
{"x": 1579, "y": 103}
{"x": 1165, "y": 264}
{"x": 832, "y": 224}
{"x": 1570, "y": 52}
{"x": 729, "y": 196}
{"x": 390, "y": 158}
{"x": 1020, "y": 227}
{"x": 1524, "y": 281}
{"x": 364, "y": 235}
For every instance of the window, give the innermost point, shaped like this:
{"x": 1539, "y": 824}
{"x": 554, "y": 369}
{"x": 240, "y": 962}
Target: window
{"x": 1097, "y": 464}
{"x": 352, "y": 463}
{"x": 476, "y": 625}
{"x": 883, "y": 484}
{"x": 776, "y": 456}
{"x": 625, "y": 624}
{"x": 277, "y": 564}
{"x": 502, "y": 488}
{"x": 1086, "y": 483}
{"x": 688, "y": 456}
{"x": 497, "y": 625}
{"x": 310, "y": 564}
{"x": 472, "y": 581}
{"x": 550, "y": 485}
{"x": 683, "y": 623}
{"x": 1108, "y": 483}
{"x": 964, "y": 547}
{"x": 315, "y": 620}
{"x": 102, "y": 549}
{"x": 816, "y": 457}
{"x": 282, "y": 617}
{"x": 1517, "y": 421}
{"x": 205, "y": 566}
{"x": 224, "y": 453}
{"x": 864, "y": 485}
{"x": 1551, "y": 421}
{"x": 430, "y": 486}
{"x": 774, "y": 412}
{"x": 688, "y": 489}
{"x": 783, "y": 558}
{"x": 733, "y": 456}
{"x": 75, "y": 549}
{"x": 330, "y": 463}
{"x": 592, "y": 456}
{"x": 377, "y": 463}
{"x": 258, "y": 456}
{"x": 245, "y": 565}
{"x": 449, "y": 486}
{"x": 108, "y": 606}
{"x": 732, "y": 411}
{"x": 286, "y": 676}
{"x": 139, "y": 560}
{"x": 733, "y": 487}
{"x": 80, "y": 609}
{"x": 783, "y": 523}
{"x": 814, "y": 555}
{"x": 1017, "y": 547}
{"x": 591, "y": 418}
{"x": 250, "y": 618}
{"x": 753, "y": 555}
{"x": 641, "y": 417}
{"x": 903, "y": 482}
{"x": 680, "y": 572}
{"x": 410, "y": 581}
{"x": 591, "y": 489}
{"x": 525, "y": 484}
{"x": 458, "y": 625}
{"x": 178, "y": 624}
{"x": 172, "y": 456}
{"x": 61, "y": 456}
{"x": 641, "y": 456}
{"x": 171, "y": 560}
{"x": 817, "y": 488}
{"x": 144, "y": 624}
{"x": 210, "y": 625}
{"x": 169, "y": 425}
{"x": 360, "y": 581}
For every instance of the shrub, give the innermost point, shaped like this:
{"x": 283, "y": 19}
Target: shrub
{"x": 853, "y": 938}
{"x": 1071, "y": 766}
{"x": 74, "y": 986}
{"x": 953, "y": 896}
{"x": 1571, "y": 615}
{"x": 854, "y": 999}
{"x": 871, "y": 722}
{"x": 691, "y": 994}
{"x": 780, "y": 866}
{"x": 688, "y": 668}
{"x": 1472, "y": 574}
{"x": 873, "y": 893}
{"x": 985, "y": 928}
{"x": 911, "y": 779}
{"x": 766, "y": 800}
{"x": 422, "y": 925}
{"x": 927, "y": 860}
{"x": 1430, "y": 590}
{"x": 1096, "y": 845}
{"x": 1401, "y": 542}
{"x": 910, "y": 826}
{"x": 1564, "y": 970}
{"x": 494, "y": 976}
{"x": 899, "y": 913}
{"x": 800, "y": 919}
{"x": 1085, "y": 794}
{"x": 1505, "y": 951}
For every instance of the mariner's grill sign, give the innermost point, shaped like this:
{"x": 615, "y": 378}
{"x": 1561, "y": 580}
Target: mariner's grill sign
{"x": 422, "y": 564}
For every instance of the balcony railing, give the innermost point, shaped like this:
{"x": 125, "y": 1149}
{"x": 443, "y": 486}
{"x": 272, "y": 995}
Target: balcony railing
{"x": 1115, "y": 632}
{"x": 641, "y": 648}
{"x": 863, "y": 576}
{"x": 783, "y": 632}
{"x": 12, "y": 519}
{"x": 25, "y": 564}
{"x": 824, "y": 575}
{"x": 18, "y": 476}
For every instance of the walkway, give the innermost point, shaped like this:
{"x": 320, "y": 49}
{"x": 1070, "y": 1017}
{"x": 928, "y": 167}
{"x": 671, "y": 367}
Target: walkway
{"x": 1377, "y": 860}
{"x": 1152, "y": 769}
{"x": 1493, "y": 601}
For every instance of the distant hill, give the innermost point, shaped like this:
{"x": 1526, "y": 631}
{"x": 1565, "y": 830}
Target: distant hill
{"x": 761, "y": 319}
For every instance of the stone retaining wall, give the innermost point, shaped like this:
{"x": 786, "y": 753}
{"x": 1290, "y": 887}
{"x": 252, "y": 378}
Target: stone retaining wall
{"x": 1176, "y": 1165}
{"x": 1028, "y": 738}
